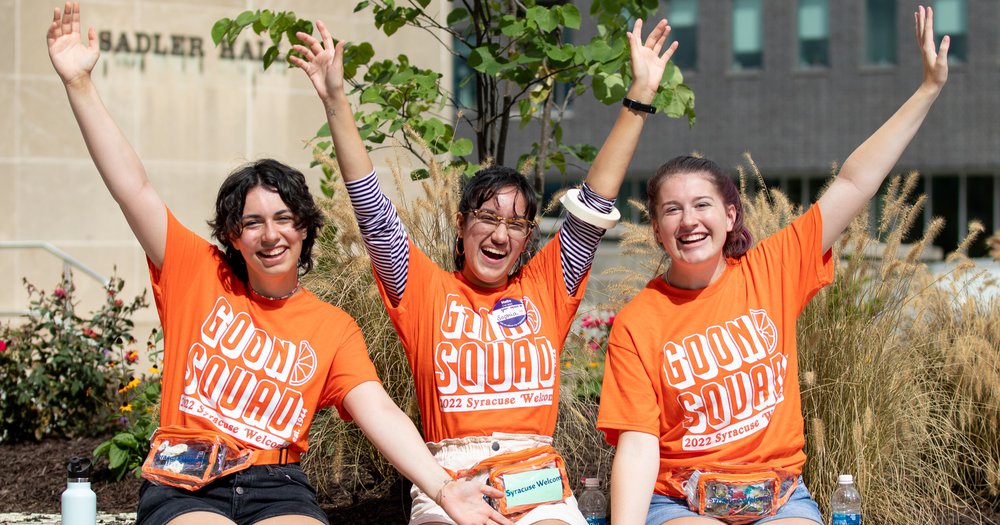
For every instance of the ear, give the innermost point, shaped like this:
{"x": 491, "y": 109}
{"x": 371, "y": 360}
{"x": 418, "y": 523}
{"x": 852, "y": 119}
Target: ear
{"x": 730, "y": 217}
{"x": 459, "y": 223}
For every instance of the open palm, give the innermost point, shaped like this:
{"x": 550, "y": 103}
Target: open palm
{"x": 648, "y": 64}
{"x": 71, "y": 58}
{"x": 323, "y": 63}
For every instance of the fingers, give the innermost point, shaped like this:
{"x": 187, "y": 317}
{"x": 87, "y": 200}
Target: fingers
{"x": 75, "y": 22}
{"x": 67, "y": 19}
{"x": 324, "y": 34}
{"x": 491, "y": 491}
{"x": 55, "y": 30}
{"x": 91, "y": 38}
{"x": 304, "y": 51}
{"x": 943, "y": 50}
{"x": 500, "y": 519}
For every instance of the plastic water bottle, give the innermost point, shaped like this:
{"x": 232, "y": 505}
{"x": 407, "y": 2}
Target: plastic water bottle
{"x": 846, "y": 503}
{"x": 79, "y": 503}
{"x": 593, "y": 503}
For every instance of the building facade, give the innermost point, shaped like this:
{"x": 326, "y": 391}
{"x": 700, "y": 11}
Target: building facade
{"x": 800, "y": 83}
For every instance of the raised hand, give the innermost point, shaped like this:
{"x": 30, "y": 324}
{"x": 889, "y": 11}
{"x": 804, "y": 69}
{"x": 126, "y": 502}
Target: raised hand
{"x": 463, "y": 501}
{"x": 648, "y": 63}
{"x": 935, "y": 60}
{"x": 71, "y": 58}
{"x": 324, "y": 62}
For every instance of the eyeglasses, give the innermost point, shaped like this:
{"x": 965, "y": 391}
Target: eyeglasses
{"x": 515, "y": 227}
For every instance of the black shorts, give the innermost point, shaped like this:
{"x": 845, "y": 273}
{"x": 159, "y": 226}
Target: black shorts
{"x": 246, "y": 497}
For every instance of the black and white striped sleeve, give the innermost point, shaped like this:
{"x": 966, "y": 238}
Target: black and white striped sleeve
{"x": 579, "y": 239}
{"x": 383, "y": 233}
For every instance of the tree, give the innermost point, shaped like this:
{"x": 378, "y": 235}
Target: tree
{"x": 525, "y": 68}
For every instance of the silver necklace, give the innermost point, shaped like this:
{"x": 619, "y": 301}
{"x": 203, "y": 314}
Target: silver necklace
{"x": 279, "y": 298}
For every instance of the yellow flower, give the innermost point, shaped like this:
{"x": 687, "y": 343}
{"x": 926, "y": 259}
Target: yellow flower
{"x": 131, "y": 384}
{"x": 593, "y": 364}
{"x": 154, "y": 370}
{"x": 567, "y": 364}
{"x": 125, "y": 408}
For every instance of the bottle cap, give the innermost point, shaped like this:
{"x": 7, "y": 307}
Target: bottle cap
{"x": 844, "y": 479}
{"x": 78, "y": 468}
{"x": 591, "y": 482}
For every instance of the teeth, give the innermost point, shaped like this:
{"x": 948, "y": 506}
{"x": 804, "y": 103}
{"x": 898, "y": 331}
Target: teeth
{"x": 693, "y": 237}
{"x": 494, "y": 252}
{"x": 273, "y": 252}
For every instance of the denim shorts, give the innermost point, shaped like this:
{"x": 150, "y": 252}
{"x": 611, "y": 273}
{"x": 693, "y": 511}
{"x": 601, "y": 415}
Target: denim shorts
{"x": 246, "y": 497}
{"x": 800, "y": 504}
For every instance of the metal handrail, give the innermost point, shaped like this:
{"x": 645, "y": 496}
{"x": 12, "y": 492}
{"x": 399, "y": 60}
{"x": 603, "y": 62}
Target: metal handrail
{"x": 67, "y": 259}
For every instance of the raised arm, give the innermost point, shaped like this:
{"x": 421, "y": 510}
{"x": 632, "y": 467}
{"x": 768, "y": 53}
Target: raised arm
{"x": 388, "y": 428}
{"x": 633, "y": 476}
{"x": 863, "y": 172}
{"x": 648, "y": 64}
{"x": 114, "y": 157}
{"x": 324, "y": 64}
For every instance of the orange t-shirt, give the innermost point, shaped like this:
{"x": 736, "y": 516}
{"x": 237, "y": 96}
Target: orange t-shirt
{"x": 714, "y": 372}
{"x": 485, "y": 360}
{"x": 252, "y": 368}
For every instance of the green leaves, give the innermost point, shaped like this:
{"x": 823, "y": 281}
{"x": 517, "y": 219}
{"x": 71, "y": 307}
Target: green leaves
{"x": 277, "y": 25}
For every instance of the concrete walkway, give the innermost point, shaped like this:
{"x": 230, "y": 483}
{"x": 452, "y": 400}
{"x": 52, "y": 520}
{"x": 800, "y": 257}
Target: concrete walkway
{"x": 19, "y": 518}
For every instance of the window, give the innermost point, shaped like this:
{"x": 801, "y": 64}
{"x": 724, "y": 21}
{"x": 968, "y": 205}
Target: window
{"x": 814, "y": 33}
{"x": 747, "y": 34}
{"x": 980, "y": 205}
{"x": 949, "y": 19}
{"x": 463, "y": 77}
{"x": 683, "y": 17}
{"x": 880, "y": 32}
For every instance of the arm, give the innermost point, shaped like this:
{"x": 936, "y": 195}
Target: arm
{"x": 381, "y": 228}
{"x": 579, "y": 239}
{"x": 866, "y": 168}
{"x": 633, "y": 476}
{"x": 115, "y": 159}
{"x": 394, "y": 435}
{"x": 608, "y": 170}
{"x": 324, "y": 65}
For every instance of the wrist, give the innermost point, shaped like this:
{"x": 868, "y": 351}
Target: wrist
{"x": 641, "y": 95}
{"x": 439, "y": 495}
{"x": 81, "y": 81}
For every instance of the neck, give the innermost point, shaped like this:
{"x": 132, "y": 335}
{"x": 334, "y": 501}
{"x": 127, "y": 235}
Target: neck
{"x": 275, "y": 291}
{"x": 694, "y": 277}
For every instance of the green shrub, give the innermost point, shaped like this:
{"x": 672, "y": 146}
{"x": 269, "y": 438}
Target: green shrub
{"x": 57, "y": 370}
{"x": 138, "y": 402}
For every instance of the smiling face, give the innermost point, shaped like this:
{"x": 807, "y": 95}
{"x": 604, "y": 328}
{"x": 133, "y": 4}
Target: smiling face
{"x": 491, "y": 251}
{"x": 270, "y": 242}
{"x": 692, "y": 221}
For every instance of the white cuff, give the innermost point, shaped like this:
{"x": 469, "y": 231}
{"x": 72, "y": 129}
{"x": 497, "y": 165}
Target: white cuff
{"x": 571, "y": 201}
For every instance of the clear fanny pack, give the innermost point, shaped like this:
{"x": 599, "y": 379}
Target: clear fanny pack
{"x": 192, "y": 458}
{"x": 528, "y": 478}
{"x": 737, "y": 495}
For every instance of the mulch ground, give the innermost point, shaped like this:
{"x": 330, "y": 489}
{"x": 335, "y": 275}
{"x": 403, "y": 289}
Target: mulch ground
{"x": 33, "y": 476}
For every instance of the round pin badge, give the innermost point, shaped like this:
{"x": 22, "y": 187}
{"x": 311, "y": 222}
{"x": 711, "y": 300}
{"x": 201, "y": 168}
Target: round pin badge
{"x": 509, "y": 312}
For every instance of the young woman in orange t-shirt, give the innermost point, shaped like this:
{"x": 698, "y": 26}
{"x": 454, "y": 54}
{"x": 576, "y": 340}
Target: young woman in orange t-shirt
{"x": 700, "y": 393}
{"x": 483, "y": 341}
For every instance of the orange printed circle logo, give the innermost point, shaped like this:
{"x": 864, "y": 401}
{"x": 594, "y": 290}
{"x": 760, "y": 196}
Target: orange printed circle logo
{"x": 305, "y": 365}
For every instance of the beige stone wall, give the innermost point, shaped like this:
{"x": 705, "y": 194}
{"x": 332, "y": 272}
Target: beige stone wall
{"x": 191, "y": 119}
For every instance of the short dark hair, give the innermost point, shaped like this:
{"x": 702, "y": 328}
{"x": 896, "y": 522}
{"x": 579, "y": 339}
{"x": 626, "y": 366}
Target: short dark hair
{"x": 739, "y": 240}
{"x": 289, "y": 183}
{"x": 482, "y": 187}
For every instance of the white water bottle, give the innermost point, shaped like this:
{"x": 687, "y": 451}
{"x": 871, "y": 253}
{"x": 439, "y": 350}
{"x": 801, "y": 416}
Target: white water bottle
{"x": 593, "y": 503}
{"x": 79, "y": 503}
{"x": 846, "y": 502}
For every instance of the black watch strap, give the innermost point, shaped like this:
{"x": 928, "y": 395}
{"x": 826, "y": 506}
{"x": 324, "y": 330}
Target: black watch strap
{"x": 638, "y": 106}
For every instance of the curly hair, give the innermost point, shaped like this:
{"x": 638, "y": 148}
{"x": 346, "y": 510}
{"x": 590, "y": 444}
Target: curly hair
{"x": 289, "y": 183}
{"x": 482, "y": 187}
{"x": 739, "y": 240}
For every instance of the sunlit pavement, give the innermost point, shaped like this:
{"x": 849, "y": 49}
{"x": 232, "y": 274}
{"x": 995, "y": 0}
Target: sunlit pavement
{"x": 18, "y": 518}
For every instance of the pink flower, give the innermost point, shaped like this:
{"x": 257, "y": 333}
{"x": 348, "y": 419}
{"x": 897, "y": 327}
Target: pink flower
{"x": 89, "y": 333}
{"x": 132, "y": 356}
{"x": 59, "y": 292}
{"x": 118, "y": 302}
{"x": 593, "y": 346}
{"x": 3, "y": 345}
{"x": 610, "y": 320}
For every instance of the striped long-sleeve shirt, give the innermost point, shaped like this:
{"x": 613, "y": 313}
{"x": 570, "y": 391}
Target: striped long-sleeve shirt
{"x": 385, "y": 237}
